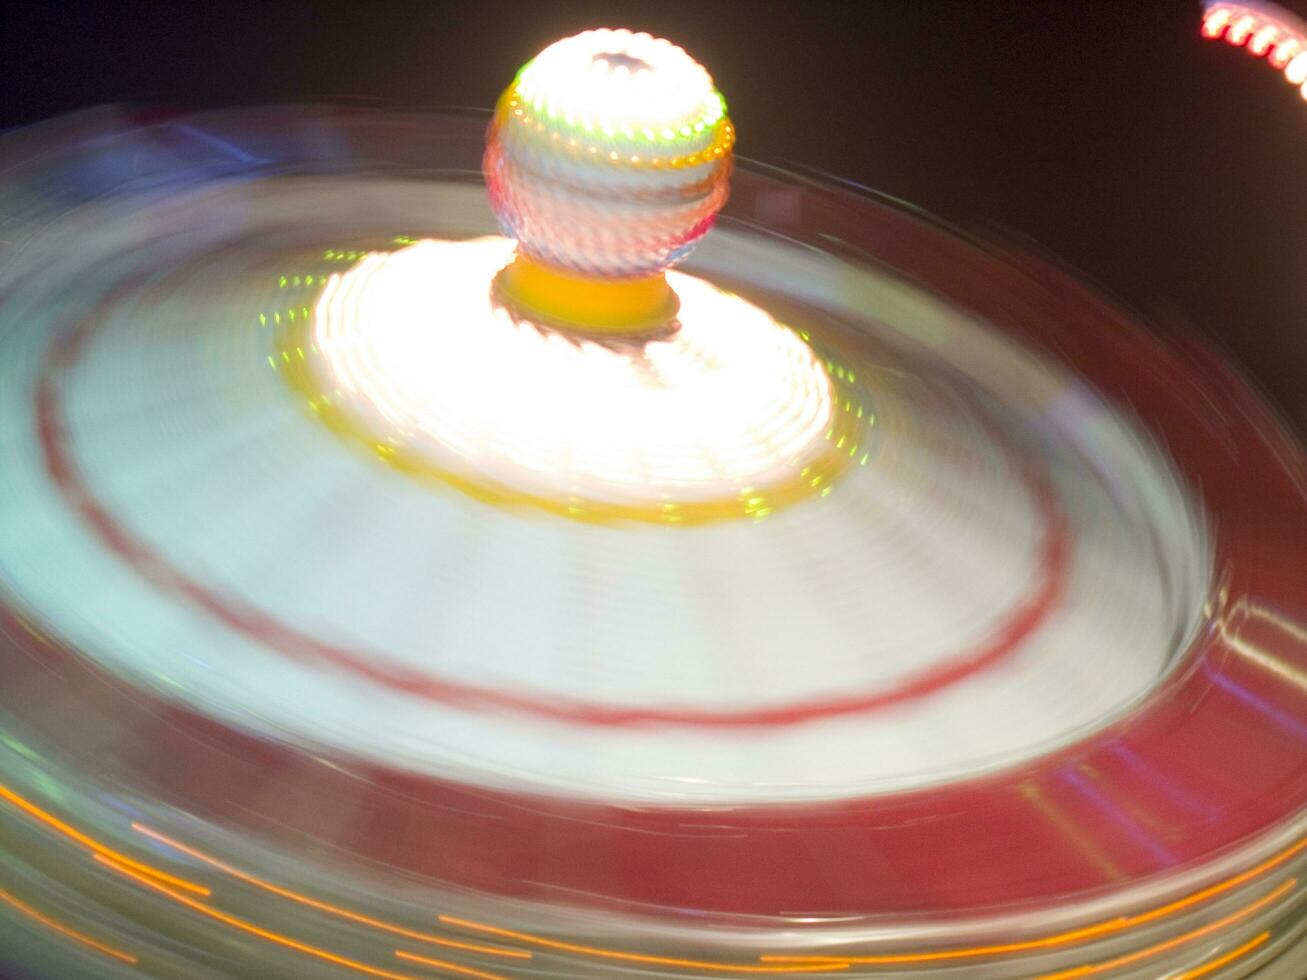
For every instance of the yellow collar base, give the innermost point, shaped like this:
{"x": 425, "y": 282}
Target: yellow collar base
{"x": 587, "y": 304}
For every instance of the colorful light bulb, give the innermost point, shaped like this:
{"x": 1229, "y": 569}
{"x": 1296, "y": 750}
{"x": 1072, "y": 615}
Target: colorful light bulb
{"x": 609, "y": 155}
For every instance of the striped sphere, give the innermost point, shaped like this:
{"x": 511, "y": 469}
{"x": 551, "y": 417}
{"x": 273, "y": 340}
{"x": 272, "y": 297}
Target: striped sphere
{"x": 609, "y": 155}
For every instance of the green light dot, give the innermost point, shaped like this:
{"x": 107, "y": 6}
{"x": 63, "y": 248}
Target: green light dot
{"x": 16, "y": 746}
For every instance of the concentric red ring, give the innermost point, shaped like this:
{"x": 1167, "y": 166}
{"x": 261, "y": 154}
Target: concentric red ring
{"x": 1216, "y": 755}
{"x": 1026, "y": 615}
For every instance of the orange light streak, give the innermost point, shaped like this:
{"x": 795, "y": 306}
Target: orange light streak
{"x": 325, "y": 906}
{"x": 64, "y": 930}
{"x": 1211, "y": 966}
{"x": 616, "y": 954}
{"x": 243, "y": 926}
{"x": 93, "y": 845}
{"x": 1142, "y": 954}
{"x": 427, "y": 961}
{"x": 1063, "y": 938}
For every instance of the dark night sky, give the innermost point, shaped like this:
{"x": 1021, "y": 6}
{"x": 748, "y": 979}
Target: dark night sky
{"x": 1170, "y": 170}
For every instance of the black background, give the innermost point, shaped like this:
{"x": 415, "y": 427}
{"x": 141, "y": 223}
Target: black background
{"x": 1171, "y": 170}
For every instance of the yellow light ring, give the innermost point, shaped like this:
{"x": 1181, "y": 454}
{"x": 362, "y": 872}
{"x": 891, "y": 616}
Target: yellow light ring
{"x": 584, "y": 148}
{"x": 848, "y": 442}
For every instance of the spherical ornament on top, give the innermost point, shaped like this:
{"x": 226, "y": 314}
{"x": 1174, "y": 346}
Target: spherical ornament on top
{"x": 609, "y": 155}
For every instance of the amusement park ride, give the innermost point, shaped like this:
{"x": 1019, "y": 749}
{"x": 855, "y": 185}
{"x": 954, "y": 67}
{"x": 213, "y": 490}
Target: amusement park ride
{"x": 556, "y": 548}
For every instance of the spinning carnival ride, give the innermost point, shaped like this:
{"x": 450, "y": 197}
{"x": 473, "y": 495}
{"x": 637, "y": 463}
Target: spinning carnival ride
{"x": 384, "y": 593}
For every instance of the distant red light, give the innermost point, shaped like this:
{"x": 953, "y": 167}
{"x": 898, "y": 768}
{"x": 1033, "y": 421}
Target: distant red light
{"x": 1241, "y": 30}
{"x": 1215, "y": 23}
{"x": 1266, "y": 31}
{"x": 1296, "y": 70}
{"x": 1285, "y": 51}
{"x": 1261, "y": 41}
